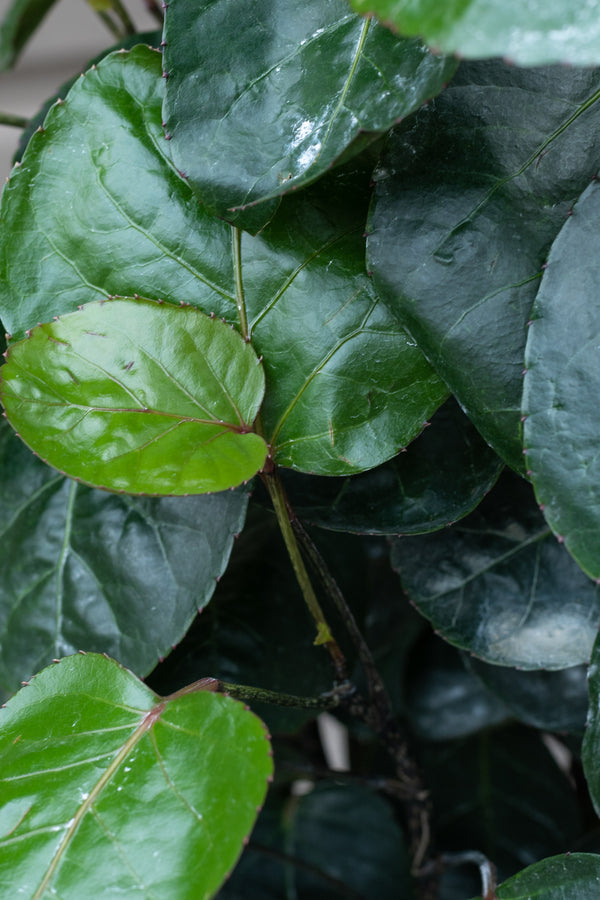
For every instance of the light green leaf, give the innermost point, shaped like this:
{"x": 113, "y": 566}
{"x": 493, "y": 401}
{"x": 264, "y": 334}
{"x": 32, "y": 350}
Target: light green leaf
{"x": 264, "y": 97}
{"x": 133, "y": 395}
{"x": 75, "y": 566}
{"x": 355, "y": 389}
{"x": 470, "y": 196}
{"x": 562, "y": 383}
{"x": 109, "y": 790}
{"x": 525, "y": 33}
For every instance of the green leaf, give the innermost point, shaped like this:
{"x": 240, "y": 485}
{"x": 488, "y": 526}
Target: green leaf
{"x": 19, "y": 22}
{"x": 264, "y": 97}
{"x": 336, "y": 841}
{"x": 591, "y": 740}
{"x": 354, "y": 391}
{"x": 440, "y": 478}
{"x": 132, "y": 395}
{"x": 562, "y": 384}
{"x": 444, "y": 699}
{"x": 525, "y": 33}
{"x": 551, "y": 701}
{"x": 497, "y": 584}
{"x": 566, "y": 877}
{"x": 84, "y": 741}
{"x": 471, "y": 194}
{"x": 87, "y": 570}
{"x": 502, "y": 793}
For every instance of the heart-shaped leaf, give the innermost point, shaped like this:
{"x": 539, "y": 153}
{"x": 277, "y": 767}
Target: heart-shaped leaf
{"x": 466, "y": 208}
{"x": 560, "y": 399}
{"x": 496, "y": 585}
{"x": 137, "y": 396}
{"x": 88, "y": 570}
{"x": 525, "y": 33}
{"x": 572, "y": 875}
{"x": 353, "y": 391}
{"x": 263, "y": 97}
{"x": 108, "y": 790}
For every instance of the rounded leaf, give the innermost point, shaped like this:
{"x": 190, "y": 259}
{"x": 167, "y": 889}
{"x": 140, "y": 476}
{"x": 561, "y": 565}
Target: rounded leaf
{"x": 133, "y": 395}
{"x": 571, "y": 875}
{"x": 108, "y": 789}
{"x": 263, "y": 98}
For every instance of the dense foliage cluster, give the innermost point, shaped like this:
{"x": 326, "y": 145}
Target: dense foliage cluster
{"x": 302, "y": 330}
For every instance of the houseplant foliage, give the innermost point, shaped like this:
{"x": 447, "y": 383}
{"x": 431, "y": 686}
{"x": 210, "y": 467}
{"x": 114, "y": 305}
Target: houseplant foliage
{"x": 301, "y": 326}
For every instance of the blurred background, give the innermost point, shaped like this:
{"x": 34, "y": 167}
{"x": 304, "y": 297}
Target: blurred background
{"x": 70, "y": 35}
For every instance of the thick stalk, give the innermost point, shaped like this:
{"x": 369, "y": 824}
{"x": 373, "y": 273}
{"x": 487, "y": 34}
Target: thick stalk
{"x": 325, "y": 701}
{"x": 324, "y": 635}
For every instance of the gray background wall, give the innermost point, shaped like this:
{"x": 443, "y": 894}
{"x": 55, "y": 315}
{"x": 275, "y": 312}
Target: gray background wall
{"x": 70, "y": 35}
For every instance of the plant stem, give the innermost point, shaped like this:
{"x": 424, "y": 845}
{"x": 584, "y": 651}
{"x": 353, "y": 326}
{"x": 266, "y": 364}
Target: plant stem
{"x": 114, "y": 29}
{"x": 124, "y": 16}
{"x": 13, "y": 120}
{"x": 154, "y": 9}
{"x": 261, "y": 695}
{"x": 324, "y": 635}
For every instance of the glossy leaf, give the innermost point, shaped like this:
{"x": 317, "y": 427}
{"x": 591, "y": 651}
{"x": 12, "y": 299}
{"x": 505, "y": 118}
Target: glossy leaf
{"x": 501, "y": 793}
{"x": 497, "y": 584}
{"x": 440, "y": 478}
{"x": 85, "y": 740}
{"x": 562, "y": 384}
{"x": 591, "y": 741}
{"x": 525, "y": 33}
{"x": 132, "y": 395}
{"x": 336, "y": 841}
{"x": 566, "y": 877}
{"x": 264, "y": 97}
{"x": 444, "y": 699}
{"x": 471, "y": 194}
{"x": 87, "y": 570}
{"x": 354, "y": 391}
{"x": 551, "y": 701}
{"x": 19, "y": 22}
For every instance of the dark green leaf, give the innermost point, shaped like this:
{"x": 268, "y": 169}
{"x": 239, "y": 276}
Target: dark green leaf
{"x": 263, "y": 97}
{"x": 591, "y": 741}
{"x": 19, "y": 22}
{"x": 501, "y": 793}
{"x": 552, "y": 701}
{"x": 87, "y": 570}
{"x": 86, "y": 740}
{"x": 525, "y": 33}
{"x": 562, "y": 384}
{"x": 573, "y": 876}
{"x": 338, "y": 841}
{"x": 137, "y": 396}
{"x": 354, "y": 391}
{"x": 440, "y": 478}
{"x": 472, "y": 193}
{"x": 499, "y": 585}
{"x": 444, "y": 700}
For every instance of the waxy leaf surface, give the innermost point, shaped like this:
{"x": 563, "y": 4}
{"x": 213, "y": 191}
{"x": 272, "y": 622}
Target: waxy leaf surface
{"x": 500, "y": 585}
{"x": 97, "y": 209}
{"x": 471, "y": 194}
{"x": 562, "y": 384}
{"x": 132, "y": 395}
{"x": 525, "y": 33}
{"x": 565, "y": 877}
{"x": 108, "y": 790}
{"x": 87, "y": 570}
{"x": 440, "y": 478}
{"x": 263, "y": 97}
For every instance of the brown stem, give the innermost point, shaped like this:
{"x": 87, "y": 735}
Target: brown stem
{"x": 154, "y": 9}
